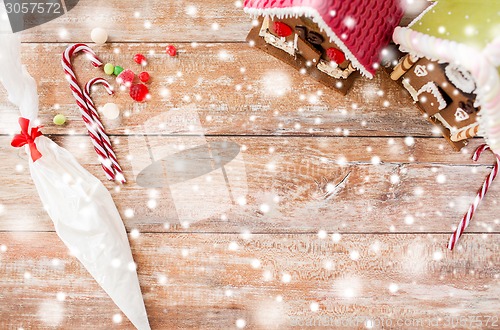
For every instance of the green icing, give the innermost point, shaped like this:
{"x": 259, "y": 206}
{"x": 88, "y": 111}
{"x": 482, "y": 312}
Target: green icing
{"x": 472, "y": 22}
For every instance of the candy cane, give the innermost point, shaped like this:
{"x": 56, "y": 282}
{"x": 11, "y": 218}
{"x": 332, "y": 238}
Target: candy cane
{"x": 100, "y": 128}
{"x": 78, "y": 94}
{"x": 480, "y": 195}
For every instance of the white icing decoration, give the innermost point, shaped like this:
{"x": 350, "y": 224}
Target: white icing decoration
{"x": 432, "y": 88}
{"x": 409, "y": 88}
{"x": 422, "y": 14}
{"x": 421, "y": 71}
{"x": 280, "y": 43}
{"x": 444, "y": 122}
{"x": 461, "y": 115}
{"x": 332, "y": 69}
{"x": 461, "y": 78}
{"x": 481, "y": 64}
{"x": 316, "y": 18}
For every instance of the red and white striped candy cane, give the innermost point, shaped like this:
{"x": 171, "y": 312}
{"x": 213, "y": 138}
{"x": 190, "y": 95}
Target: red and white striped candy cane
{"x": 86, "y": 114}
{"x": 480, "y": 195}
{"x": 100, "y": 128}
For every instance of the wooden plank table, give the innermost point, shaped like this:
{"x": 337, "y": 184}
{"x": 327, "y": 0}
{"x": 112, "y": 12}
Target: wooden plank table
{"x": 335, "y": 217}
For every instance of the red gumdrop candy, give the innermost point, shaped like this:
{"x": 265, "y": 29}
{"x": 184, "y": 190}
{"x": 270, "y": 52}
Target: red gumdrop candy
{"x": 126, "y": 78}
{"x": 144, "y": 76}
{"x": 171, "y": 50}
{"x": 140, "y": 59}
{"x": 139, "y": 92}
{"x": 335, "y": 55}
{"x": 282, "y": 30}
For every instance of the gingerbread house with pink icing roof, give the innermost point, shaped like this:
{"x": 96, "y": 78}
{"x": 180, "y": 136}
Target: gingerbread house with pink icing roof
{"x": 331, "y": 40}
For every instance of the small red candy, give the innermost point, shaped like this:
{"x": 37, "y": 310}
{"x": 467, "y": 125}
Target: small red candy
{"x": 282, "y": 30}
{"x": 335, "y": 55}
{"x": 140, "y": 59}
{"x": 144, "y": 76}
{"x": 171, "y": 50}
{"x": 126, "y": 78}
{"x": 139, "y": 92}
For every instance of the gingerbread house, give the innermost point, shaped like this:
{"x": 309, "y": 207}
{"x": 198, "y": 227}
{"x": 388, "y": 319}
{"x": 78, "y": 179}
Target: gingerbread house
{"x": 450, "y": 69}
{"x": 331, "y": 40}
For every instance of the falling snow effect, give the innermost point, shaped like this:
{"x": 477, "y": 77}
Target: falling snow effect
{"x": 51, "y": 313}
{"x": 386, "y": 171}
{"x": 276, "y": 83}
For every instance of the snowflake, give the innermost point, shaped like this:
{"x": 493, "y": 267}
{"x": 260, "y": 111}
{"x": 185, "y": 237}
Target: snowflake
{"x": 286, "y": 278}
{"x": 246, "y": 235}
{"x": 267, "y": 275}
{"x": 354, "y": 255}
{"x": 191, "y": 11}
{"x": 162, "y": 279}
{"x": 419, "y": 191}
{"x": 50, "y": 313}
{"x": 117, "y": 318}
{"x": 241, "y": 323}
{"x": 264, "y": 208}
{"x": 276, "y": 83}
{"x": 336, "y": 237}
{"x": 322, "y": 234}
{"x": 437, "y": 255}
{"x": 441, "y": 178}
{"x": 409, "y": 141}
{"x": 129, "y": 213}
{"x": 376, "y": 160}
{"x": 395, "y": 179}
{"x": 233, "y": 246}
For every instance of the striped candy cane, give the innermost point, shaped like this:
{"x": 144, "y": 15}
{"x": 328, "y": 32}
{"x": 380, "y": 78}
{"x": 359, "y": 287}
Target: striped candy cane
{"x": 480, "y": 195}
{"x": 100, "y": 128}
{"x": 86, "y": 114}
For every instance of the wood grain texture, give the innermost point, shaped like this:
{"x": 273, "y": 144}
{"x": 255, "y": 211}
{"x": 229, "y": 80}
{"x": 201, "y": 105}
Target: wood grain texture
{"x": 308, "y": 167}
{"x": 274, "y": 98}
{"x": 305, "y": 184}
{"x": 270, "y": 281}
{"x": 156, "y": 21}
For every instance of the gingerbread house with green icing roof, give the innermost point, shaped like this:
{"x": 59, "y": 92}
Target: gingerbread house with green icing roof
{"x": 451, "y": 68}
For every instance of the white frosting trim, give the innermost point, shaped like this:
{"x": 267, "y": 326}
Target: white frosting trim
{"x": 432, "y": 88}
{"x": 316, "y": 17}
{"x": 447, "y": 125}
{"x": 481, "y": 64}
{"x": 462, "y": 79}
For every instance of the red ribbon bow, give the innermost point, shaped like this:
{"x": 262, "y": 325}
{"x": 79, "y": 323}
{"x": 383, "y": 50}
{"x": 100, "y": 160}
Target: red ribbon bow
{"x": 24, "y": 138}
